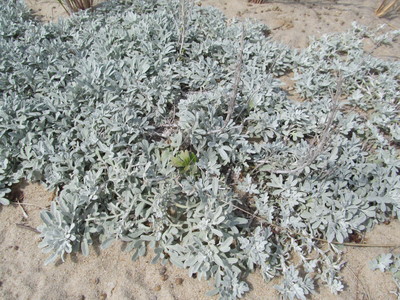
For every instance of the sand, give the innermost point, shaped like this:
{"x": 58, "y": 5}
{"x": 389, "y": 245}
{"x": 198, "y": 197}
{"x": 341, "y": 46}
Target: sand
{"x": 110, "y": 273}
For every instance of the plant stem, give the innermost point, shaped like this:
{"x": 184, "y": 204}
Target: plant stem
{"x": 239, "y": 65}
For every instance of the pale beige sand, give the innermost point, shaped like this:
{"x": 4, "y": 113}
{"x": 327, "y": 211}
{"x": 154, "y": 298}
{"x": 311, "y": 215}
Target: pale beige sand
{"x": 50, "y": 10}
{"x": 110, "y": 274}
{"x": 294, "y": 22}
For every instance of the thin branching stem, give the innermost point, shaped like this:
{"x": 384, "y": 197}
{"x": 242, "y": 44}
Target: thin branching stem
{"x": 387, "y": 6}
{"x": 238, "y": 70}
{"x": 185, "y": 12}
{"x": 294, "y": 233}
{"x": 24, "y": 226}
{"x": 323, "y": 138}
{"x": 267, "y": 78}
{"x": 28, "y": 204}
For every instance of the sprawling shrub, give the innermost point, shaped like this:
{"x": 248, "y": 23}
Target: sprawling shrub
{"x": 174, "y": 131}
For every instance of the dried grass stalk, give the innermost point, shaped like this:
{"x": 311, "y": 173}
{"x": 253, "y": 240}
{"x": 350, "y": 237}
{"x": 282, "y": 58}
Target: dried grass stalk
{"x": 387, "y": 6}
{"x": 72, "y": 6}
{"x": 257, "y": 1}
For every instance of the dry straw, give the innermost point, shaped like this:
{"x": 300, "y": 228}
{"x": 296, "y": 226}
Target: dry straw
{"x": 388, "y": 6}
{"x": 257, "y": 1}
{"x": 72, "y": 6}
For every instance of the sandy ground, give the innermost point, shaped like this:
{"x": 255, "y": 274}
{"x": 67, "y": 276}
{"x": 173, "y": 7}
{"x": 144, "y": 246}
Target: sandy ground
{"x": 295, "y": 22}
{"x": 110, "y": 274}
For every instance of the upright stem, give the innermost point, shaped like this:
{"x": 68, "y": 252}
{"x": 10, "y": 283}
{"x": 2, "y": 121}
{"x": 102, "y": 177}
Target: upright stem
{"x": 186, "y": 7}
{"x": 239, "y": 65}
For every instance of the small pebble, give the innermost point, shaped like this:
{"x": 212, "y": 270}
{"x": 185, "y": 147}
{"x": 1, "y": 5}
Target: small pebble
{"x": 164, "y": 277}
{"x": 163, "y": 271}
{"x": 16, "y": 247}
{"x": 103, "y": 296}
{"x": 178, "y": 281}
{"x": 157, "y": 288}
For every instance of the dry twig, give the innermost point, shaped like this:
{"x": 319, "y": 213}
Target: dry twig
{"x": 24, "y": 226}
{"x": 387, "y": 6}
{"x": 29, "y": 204}
{"x": 257, "y": 1}
{"x": 23, "y": 210}
{"x": 358, "y": 280}
{"x": 71, "y": 6}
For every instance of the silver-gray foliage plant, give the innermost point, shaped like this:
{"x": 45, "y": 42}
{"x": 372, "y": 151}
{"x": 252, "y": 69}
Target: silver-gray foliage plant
{"x": 389, "y": 262}
{"x": 98, "y": 105}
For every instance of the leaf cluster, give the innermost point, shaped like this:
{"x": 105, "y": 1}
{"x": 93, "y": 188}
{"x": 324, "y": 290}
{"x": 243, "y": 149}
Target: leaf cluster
{"x": 126, "y": 117}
